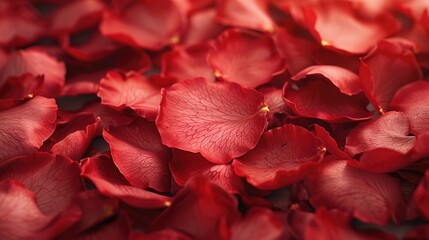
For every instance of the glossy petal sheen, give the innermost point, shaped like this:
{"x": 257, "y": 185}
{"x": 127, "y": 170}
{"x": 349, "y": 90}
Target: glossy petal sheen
{"x": 55, "y": 179}
{"x": 232, "y": 61}
{"x": 387, "y": 68}
{"x": 283, "y": 156}
{"x": 24, "y": 128}
{"x": 413, "y": 100}
{"x": 220, "y": 120}
{"x": 390, "y": 130}
{"x": 131, "y": 90}
{"x": 370, "y": 197}
{"x": 139, "y": 155}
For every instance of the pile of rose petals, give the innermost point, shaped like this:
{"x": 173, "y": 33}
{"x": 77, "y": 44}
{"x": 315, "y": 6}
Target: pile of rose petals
{"x": 214, "y": 119}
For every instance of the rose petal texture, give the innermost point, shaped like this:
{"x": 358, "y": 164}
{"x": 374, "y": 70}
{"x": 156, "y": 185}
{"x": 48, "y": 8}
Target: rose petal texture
{"x": 24, "y": 128}
{"x": 280, "y": 159}
{"x": 220, "y": 120}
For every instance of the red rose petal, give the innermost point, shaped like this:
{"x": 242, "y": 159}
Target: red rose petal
{"x": 330, "y": 143}
{"x": 318, "y": 98}
{"x": 251, "y": 14}
{"x": 147, "y": 24}
{"x": 139, "y": 155}
{"x": 370, "y": 197}
{"x": 202, "y": 27}
{"x": 202, "y": 210}
{"x": 22, "y": 87}
{"x": 131, "y": 90}
{"x": 25, "y": 127}
{"x": 419, "y": 232}
{"x": 273, "y": 97}
{"x": 278, "y": 160}
{"x": 36, "y": 62}
{"x": 110, "y": 182}
{"x": 55, "y": 179}
{"x": 220, "y": 120}
{"x": 421, "y": 196}
{"x": 412, "y": 100}
{"x": 258, "y": 223}
{"x": 185, "y": 63}
{"x": 118, "y": 227}
{"x": 168, "y": 234}
{"x": 186, "y": 165}
{"x": 232, "y": 61}
{"x": 387, "y": 68}
{"x": 390, "y": 130}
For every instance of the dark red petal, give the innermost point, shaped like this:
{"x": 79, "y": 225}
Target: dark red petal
{"x": 412, "y": 100}
{"x": 22, "y": 87}
{"x": 186, "y": 165}
{"x": 185, "y": 63}
{"x": 167, "y": 234}
{"x": 110, "y": 182}
{"x": 345, "y": 80}
{"x": 251, "y": 14}
{"x": 24, "y": 128}
{"x": 221, "y": 120}
{"x": 131, "y": 90}
{"x": 232, "y": 61}
{"x": 421, "y": 196}
{"x": 139, "y": 155}
{"x": 387, "y": 68}
{"x": 279, "y": 160}
{"x": 202, "y": 210}
{"x": 147, "y": 24}
{"x": 318, "y": 98}
{"x": 389, "y": 130}
{"x": 370, "y": 197}
{"x": 75, "y": 16}
{"x": 336, "y": 26}
{"x": 55, "y": 179}
{"x": 36, "y": 62}
{"x": 202, "y": 27}
{"x": 329, "y": 142}
{"x": 419, "y": 232}
{"x": 258, "y": 223}
{"x": 22, "y": 219}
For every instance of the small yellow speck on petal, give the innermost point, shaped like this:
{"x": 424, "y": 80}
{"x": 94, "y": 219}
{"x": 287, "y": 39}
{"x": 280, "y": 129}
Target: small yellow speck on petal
{"x": 324, "y": 150}
{"x": 30, "y": 95}
{"x": 174, "y": 40}
{"x": 269, "y": 28}
{"x": 217, "y": 73}
{"x": 381, "y": 110}
{"x": 325, "y": 43}
{"x": 167, "y": 203}
{"x": 265, "y": 109}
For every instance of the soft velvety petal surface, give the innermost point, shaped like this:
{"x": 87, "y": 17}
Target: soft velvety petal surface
{"x": 283, "y": 156}
{"x": 370, "y": 197}
{"x": 232, "y": 61}
{"x": 220, "y": 120}
{"x": 186, "y": 165}
{"x": 24, "y": 128}
{"x": 389, "y": 130}
{"x": 387, "y": 68}
{"x": 413, "y": 100}
{"x": 110, "y": 182}
{"x": 144, "y": 23}
{"x": 55, "y": 179}
{"x": 202, "y": 27}
{"x": 131, "y": 90}
{"x": 202, "y": 210}
{"x": 139, "y": 155}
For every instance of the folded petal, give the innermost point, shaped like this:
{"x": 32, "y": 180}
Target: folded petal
{"x": 138, "y": 153}
{"x": 25, "y": 127}
{"x": 232, "y": 61}
{"x": 412, "y": 100}
{"x": 369, "y": 197}
{"x": 220, "y": 120}
{"x": 282, "y": 157}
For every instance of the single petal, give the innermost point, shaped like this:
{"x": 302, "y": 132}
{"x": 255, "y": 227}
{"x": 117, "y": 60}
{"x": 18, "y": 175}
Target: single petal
{"x": 412, "y": 100}
{"x": 55, "y": 179}
{"x": 369, "y": 197}
{"x": 22, "y": 87}
{"x": 221, "y": 120}
{"x": 110, "y": 182}
{"x": 24, "y": 128}
{"x": 144, "y": 24}
{"x": 384, "y": 70}
{"x": 389, "y": 130}
{"x": 202, "y": 210}
{"x": 232, "y": 61}
{"x": 202, "y": 27}
{"x": 138, "y": 153}
{"x": 283, "y": 156}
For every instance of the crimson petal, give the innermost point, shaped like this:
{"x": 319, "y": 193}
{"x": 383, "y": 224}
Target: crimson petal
{"x": 221, "y": 120}
{"x": 421, "y": 196}
{"x": 279, "y": 160}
